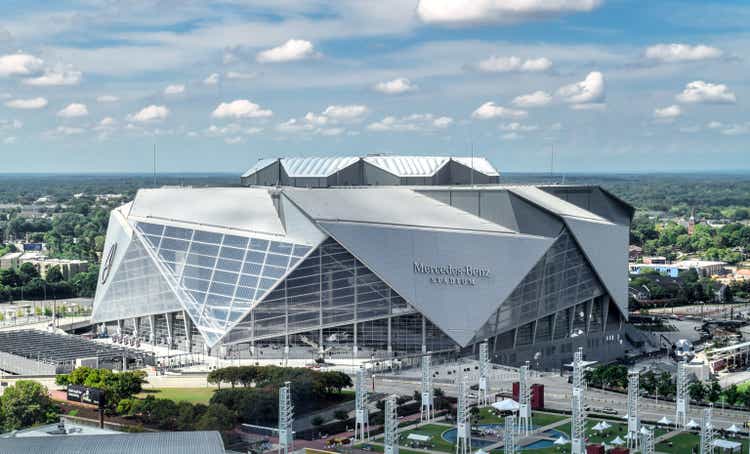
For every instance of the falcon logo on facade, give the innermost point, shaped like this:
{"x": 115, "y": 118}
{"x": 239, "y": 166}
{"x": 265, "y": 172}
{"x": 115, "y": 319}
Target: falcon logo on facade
{"x": 107, "y": 264}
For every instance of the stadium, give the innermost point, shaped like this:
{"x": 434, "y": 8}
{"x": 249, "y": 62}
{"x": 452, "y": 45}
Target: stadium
{"x": 370, "y": 258}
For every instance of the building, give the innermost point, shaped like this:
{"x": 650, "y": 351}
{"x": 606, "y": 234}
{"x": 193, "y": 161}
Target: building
{"x": 704, "y": 268}
{"x": 371, "y": 171}
{"x": 371, "y": 272}
{"x": 42, "y": 263}
{"x": 656, "y": 260}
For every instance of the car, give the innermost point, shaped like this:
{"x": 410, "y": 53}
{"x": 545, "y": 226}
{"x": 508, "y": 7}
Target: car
{"x": 609, "y": 411}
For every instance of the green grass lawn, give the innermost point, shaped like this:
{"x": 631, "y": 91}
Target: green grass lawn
{"x": 432, "y": 430}
{"x": 684, "y": 442}
{"x": 539, "y": 419}
{"x": 379, "y": 448}
{"x": 192, "y": 395}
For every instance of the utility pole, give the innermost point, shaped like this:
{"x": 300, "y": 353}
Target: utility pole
{"x": 427, "y": 411}
{"x": 633, "y": 421}
{"x": 524, "y": 401}
{"x": 362, "y": 422}
{"x": 484, "y": 372}
{"x": 577, "y": 406}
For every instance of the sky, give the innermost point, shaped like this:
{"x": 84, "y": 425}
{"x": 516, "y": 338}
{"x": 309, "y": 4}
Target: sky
{"x": 605, "y": 85}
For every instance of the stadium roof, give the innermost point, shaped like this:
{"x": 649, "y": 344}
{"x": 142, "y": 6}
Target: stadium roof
{"x": 401, "y": 166}
{"x": 134, "y": 443}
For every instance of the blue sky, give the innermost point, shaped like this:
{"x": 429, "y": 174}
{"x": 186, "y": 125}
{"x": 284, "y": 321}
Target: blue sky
{"x": 612, "y": 85}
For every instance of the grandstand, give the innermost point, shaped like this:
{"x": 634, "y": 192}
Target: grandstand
{"x": 31, "y": 352}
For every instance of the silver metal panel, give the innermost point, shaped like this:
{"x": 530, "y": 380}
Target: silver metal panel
{"x": 606, "y": 247}
{"x": 456, "y": 302}
{"x": 408, "y": 166}
{"x": 315, "y": 167}
{"x": 479, "y": 164}
{"x": 260, "y": 165}
{"x": 552, "y": 203}
{"x": 119, "y": 235}
{"x": 393, "y": 206}
{"x": 239, "y": 208}
{"x": 466, "y": 200}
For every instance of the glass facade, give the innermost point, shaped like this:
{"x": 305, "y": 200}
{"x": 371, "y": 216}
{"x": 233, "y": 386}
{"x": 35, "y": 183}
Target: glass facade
{"x": 560, "y": 279}
{"x": 219, "y": 276}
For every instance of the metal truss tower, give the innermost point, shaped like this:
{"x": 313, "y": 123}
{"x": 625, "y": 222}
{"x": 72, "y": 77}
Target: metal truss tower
{"x": 463, "y": 424}
{"x": 484, "y": 375}
{"x": 286, "y": 419}
{"x": 633, "y": 420}
{"x": 509, "y": 436}
{"x": 682, "y": 401}
{"x": 361, "y": 413}
{"x": 577, "y": 406}
{"x": 390, "y": 439}
{"x": 428, "y": 408}
{"x": 707, "y": 433}
{"x": 647, "y": 441}
{"x": 524, "y": 401}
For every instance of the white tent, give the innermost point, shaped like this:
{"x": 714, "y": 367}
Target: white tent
{"x": 644, "y": 431}
{"x": 605, "y": 424}
{"x": 506, "y": 405}
{"x": 664, "y": 420}
{"x": 726, "y": 444}
{"x": 480, "y": 451}
{"x": 733, "y": 428}
{"x": 625, "y": 416}
{"x": 598, "y": 427}
{"x": 617, "y": 441}
{"x": 692, "y": 424}
{"x": 418, "y": 437}
{"x": 561, "y": 441}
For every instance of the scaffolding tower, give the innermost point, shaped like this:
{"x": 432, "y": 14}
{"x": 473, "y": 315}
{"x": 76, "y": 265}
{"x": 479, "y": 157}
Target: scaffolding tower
{"x": 633, "y": 420}
{"x": 361, "y": 413}
{"x": 524, "y": 401}
{"x": 577, "y": 406}
{"x": 682, "y": 400}
{"x": 390, "y": 439}
{"x": 463, "y": 429}
{"x": 286, "y": 419}
{"x": 509, "y": 437}
{"x": 707, "y": 433}
{"x": 647, "y": 441}
{"x": 484, "y": 373}
{"x": 428, "y": 408}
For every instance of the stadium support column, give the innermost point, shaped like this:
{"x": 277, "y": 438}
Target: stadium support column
{"x": 136, "y": 327}
{"x": 682, "y": 400}
{"x": 390, "y": 438}
{"x": 188, "y": 331}
{"x": 286, "y": 419}
{"x": 633, "y": 423}
{"x": 524, "y": 401}
{"x": 427, "y": 411}
{"x": 361, "y": 413}
{"x": 463, "y": 429}
{"x": 152, "y": 329}
{"x": 577, "y": 406}
{"x": 170, "y": 329}
{"x": 119, "y": 327}
{"x": 707, "y": 433}
{"x": 509, "y": 436}
{"x": 484, "y": 372}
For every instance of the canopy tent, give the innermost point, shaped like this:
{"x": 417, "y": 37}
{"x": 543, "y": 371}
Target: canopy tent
{"x": 561, "y": 441}
{"x": 506, "y": 405}
{"x": 692, "y": 424}
{"x": 418, "y": 437}
{"x": 644, "y": 431}
{"x": 726, "y": 444}
{"x": 605, "y": 424}
{"x": 481, "y": 451}
{"x": 664, "y": 420}
{"x": 625, "y": 416}
{"x": 733, "y": 428}
{"x": 599, "y": 427}
{"x": 617, "y": 441}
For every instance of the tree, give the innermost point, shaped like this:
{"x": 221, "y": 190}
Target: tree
{"x": 697, "y": 391}
{"x": 341, "y": 415}
{"x": 26, "y": 403}
{"x": 54, "y": 274}
{"x": 317, "y": 421}
{"x": 217, "y": 417}
{"x": 714, "y": 391}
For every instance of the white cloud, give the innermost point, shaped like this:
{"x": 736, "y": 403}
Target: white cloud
{"x": 212, "y": 79}
{"x": 73, "y": 110}
{"x": 496, "y": 64}
{"x": 715, "y": 125}
{"x": 411, "y": 123}
{"x": 150, "y": 113}
{"x": 64, "y": 131}
{"x": 585, "y": 93}
{"x": 536, "y": 99}
{"x": 516, "y": 126}
{"x": 511, "y": 136}
{"x": 294, "y": 49}
{"x": 670, "y": 53}
{"x": 20, "y": 65}
{"x": 351, "y": 112}
{"x": 240, "y": 108}
{"x": 107, "y": 98}
{"x": 10, "y": 125}
{"x": 668, "y": 113}
{"x": 32, "y": 103}
{"x": 233, "y": 140}
{"x": 736, "y": 129}
{"x": 589, "y": 106}
{"x": 234, "y": 75}
{"x": 55, "y": 77}
{"x": 316, "y": 119}
{"x": 176, "y": 89}
{"x": 9, "y": 140}
{"x": 395, "y": 86}
{"x": 490, "y": 110}
{"x": 705, "y": 92}
{"x": 467, "y": 12}
{"x": 294, "y": 125}
{"x": 232, "y": 129}
{"x": 331, "y": 131}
